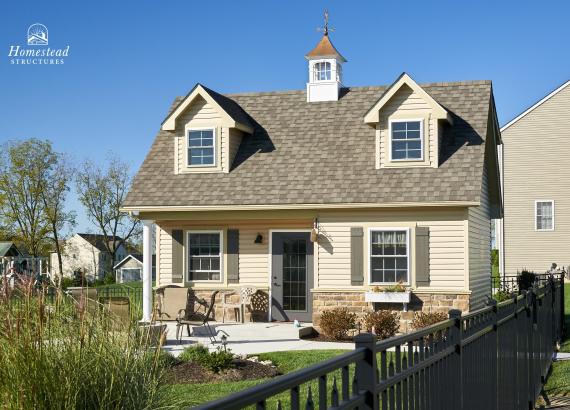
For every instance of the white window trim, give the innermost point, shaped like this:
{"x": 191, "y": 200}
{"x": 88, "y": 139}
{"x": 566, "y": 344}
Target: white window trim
{"x": 122, "y": 269}
{"x": 422, "y": 139}
{"x": 215, "y": 140}
{"x": 314, "y": 72}
{"x": 535, "y": 215}
{"x": 408, "y": 254}
{"x": 187, "y": 256}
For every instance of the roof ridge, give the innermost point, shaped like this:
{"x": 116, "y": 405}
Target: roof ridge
{"x": 360, "y": 87}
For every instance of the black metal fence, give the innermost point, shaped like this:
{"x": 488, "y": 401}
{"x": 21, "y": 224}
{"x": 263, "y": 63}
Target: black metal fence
{"x": 518, "y": 282}
{"x": 495, "y": 358}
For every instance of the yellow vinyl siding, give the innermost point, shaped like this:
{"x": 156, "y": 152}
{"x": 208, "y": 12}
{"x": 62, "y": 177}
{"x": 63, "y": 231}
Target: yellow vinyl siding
{"x": 407, "y": 104}
{"x": 200, "y": 114}
{"x": 447, "y": 244}
{"x": 164, "y": 257}
{"x": 234, "y": 142}
{"x": 480, "y": 247}
{"x": 253, "y": 258}
{"x": 536, "y": 149}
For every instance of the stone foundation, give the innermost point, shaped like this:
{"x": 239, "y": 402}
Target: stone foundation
{"x": 420, "y": 302}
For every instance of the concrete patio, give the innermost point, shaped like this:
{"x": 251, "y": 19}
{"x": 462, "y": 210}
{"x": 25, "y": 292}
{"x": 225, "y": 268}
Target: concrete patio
{"x": 250, "y": 338}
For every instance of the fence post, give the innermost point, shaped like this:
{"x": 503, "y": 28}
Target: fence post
{"x": 456, "y": 337}
{"x": 562, "y": 317}
{"x": 366, "y": 373}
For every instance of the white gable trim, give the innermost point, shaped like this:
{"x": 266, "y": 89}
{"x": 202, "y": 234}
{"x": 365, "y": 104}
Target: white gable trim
{"x": 538, "y": 104}
{"x": 373, "y": 115}
{"x": 170, "y": 123}
{"x": 118, "y": 264}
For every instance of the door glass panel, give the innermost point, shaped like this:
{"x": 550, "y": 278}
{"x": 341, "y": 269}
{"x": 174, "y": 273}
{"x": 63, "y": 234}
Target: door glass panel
{"x": 295, "y": 274}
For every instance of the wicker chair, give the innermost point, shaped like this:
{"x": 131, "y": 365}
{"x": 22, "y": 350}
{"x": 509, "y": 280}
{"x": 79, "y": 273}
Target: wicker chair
{"x": 245, "y": 295}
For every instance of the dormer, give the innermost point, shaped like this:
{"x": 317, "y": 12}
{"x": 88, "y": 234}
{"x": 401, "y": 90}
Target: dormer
{"x": 409, "y": 126}
{"x": 325, "y": 71}
{"x": 208, "y": 128}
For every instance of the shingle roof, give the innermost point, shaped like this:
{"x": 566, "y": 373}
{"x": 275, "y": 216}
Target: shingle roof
{"x": 323, "y": 153}
{"x": 8, "y": 249}
{"x": 98, "y": 240}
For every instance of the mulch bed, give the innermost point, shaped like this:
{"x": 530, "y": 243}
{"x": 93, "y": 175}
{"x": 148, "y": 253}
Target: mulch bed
{"x": 190, "y": 372}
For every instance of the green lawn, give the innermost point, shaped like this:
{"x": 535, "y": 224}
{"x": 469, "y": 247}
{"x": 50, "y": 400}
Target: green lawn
{"x": 558, "y": 383}
{"x": 194, "y": 394}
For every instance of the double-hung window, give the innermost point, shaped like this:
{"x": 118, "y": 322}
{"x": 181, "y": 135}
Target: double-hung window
{"x": 201, "y": 148}
{"x": 544, "y": 215}
{"x": 407, "y": 140}
{"x": 322, "y": 71}
{"x": 204, "y": 256}
{"x": 389, "y": 256}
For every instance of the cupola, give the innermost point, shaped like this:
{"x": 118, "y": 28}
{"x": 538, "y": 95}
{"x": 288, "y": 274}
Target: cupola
{"x": 325, "y": 69}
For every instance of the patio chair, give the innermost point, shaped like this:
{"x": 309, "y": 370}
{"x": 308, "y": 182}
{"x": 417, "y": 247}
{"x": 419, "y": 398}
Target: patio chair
{"x": 119, "y": 306}
{"x": 85, "y": 299}
{"x": 191, "y": 317}
{"x": 245, "y": 295}
{"x": 169, "y": 301}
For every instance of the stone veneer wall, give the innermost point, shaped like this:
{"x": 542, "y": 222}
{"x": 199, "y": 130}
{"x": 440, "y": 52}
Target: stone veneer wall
{"x": 354, "y": 302}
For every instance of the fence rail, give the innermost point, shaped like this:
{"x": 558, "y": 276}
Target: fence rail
{"x": 497, "y": 357}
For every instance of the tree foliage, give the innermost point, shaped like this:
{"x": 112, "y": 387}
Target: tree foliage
{"x": 102, "y": 191}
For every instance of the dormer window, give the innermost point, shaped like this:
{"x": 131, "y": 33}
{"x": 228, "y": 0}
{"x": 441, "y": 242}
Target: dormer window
{"x": 406, "y": 140}
{"x": 322, "y": 71}
{"x": 201, "y": 148}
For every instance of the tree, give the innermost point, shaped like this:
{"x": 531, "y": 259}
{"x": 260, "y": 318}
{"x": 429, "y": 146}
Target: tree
{"x": 23, "y": 169}
{"x": 102, "y": 192}
{"x": 56, "y": 186}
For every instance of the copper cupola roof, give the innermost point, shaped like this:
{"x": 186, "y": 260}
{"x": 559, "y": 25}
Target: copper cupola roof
{"x": 324, "y": 48}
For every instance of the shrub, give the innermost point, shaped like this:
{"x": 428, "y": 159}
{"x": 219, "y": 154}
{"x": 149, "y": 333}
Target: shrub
{"x": 109, "y": 279}
{"x": 194, "y": 353}
{"x": 425, "y": 319}
{"x": 58, "y": 357}
{"x": 382, "y": 322}
{"x": 66, "y": 282}
{"x": 525, "y": 280}
{"x": 337, "y": 322}
{"x": 215, "y": 361}
{"x": 219, "y": 360}
{"x": 501, "y": 296}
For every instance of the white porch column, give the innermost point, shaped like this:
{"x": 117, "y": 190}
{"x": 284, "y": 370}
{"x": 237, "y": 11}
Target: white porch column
{"x": 147, "y": 271}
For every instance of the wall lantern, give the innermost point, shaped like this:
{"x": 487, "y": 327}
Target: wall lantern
{"x": 258, "y": 238}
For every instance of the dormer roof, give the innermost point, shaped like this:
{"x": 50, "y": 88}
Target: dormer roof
{"x": 324, "y": 48}
{"x": 373, "y": 114}
{"x": 234, "y": 116}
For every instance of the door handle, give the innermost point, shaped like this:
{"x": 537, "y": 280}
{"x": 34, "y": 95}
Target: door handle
{"x": 276, "y": 284}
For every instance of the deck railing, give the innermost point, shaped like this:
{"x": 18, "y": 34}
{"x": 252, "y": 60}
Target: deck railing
{"x": 497, "y": 357}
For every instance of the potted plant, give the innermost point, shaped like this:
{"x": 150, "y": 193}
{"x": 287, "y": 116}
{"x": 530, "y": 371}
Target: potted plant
{"x": 389, "y": 294}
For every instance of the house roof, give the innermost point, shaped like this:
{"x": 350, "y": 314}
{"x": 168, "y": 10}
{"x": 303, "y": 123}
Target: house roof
{"x": 135, "y": 256}
{"x": 323, "y": 153}
{"x": 8, "y": 249}
{"x": 534, "y": 106}
{"x": 324, "y": 48}
{"x": 98, "y": 240}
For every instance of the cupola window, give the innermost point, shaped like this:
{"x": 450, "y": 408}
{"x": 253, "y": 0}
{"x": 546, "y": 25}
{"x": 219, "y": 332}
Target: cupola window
{"x": 322, "y": 71}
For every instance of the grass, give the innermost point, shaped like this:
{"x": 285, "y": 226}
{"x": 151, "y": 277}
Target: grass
{"x": 558, "y": 384}
{"x": 195, "y": 394}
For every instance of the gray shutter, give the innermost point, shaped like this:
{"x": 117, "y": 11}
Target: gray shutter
{"x": 177, "y": 256}
{"x": 356, "y": 256}
{"x": 422, "y": 256}
{"x": 233, "y": 256}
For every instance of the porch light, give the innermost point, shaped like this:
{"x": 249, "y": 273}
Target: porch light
{"x": 315, "y": 231}
{"x": 258, "y": 238}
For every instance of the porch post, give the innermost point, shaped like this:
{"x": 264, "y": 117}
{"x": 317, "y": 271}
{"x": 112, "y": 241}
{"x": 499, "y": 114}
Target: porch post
{"x": 147, "y": 271}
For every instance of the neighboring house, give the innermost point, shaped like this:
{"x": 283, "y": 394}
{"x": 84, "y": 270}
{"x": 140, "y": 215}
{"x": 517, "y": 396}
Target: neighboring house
{"x": 315, "y": 197}
{"x": 129, "y": 269}
{"x": 87, "y": 253}
{"x": 536, "y": 226}
{"x": 9, "y": 249}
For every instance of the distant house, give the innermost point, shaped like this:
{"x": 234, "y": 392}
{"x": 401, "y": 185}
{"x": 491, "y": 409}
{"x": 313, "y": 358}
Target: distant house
{"x": 87, "y": 253}
{"x": 534, "y": 231}
{"x": 8, "y": 249}
{"x": 129, "y": 269}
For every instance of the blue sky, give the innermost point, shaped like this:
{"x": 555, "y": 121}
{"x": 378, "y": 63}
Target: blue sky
{"x": 129, "y": 59}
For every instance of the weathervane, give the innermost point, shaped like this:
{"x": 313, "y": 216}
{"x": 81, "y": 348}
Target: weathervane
{"x": 325, "y": 29}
